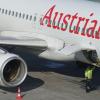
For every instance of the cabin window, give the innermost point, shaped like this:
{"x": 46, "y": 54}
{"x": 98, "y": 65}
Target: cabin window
{"x": 30, "y": 17}
{"x": 6, "y": 11}
{"x": 87, "y": 31}
{"x": 91, "y": 32}
{"x": 50, "y": 21}
{"x": 2, "y": 10}
{"x": 71, "y": 27}
{"x": 34, "y": 18}
{"x": 82, "y": 30}
{"x": 26, "y": 17}
{"x": 12, "y": 13}
{"x": 54, "y": 23}
{"x": 46, "y": 21}
{"x": 9, "y": 12}
{"x": 96, "y": 32}
{"x": 62, "y": 25}
{"x": 20, "y": 15}
{"x": 23, "y": 16}
{"x": 78, "y": 29}
{"x": 40, "y": 19}
{"x": 74, "y": 28}
{"x": 16, "y": 14}
{"x": 66, "y": 25}
{"x": 58, "y": 24}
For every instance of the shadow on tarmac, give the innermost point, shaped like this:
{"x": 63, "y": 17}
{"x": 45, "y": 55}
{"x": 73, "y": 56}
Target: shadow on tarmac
{"x": 69, "y": 69}
{"x": 29, "y": 84}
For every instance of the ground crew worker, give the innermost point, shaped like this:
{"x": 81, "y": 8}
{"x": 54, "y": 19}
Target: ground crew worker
{"x": 88, "y": 77}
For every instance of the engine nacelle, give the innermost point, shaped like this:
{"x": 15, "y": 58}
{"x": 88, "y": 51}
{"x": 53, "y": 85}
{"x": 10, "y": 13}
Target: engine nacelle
{"x": 88, "y": 56}
{"x": 13, "y": 69}
{"x": 91, "y": 55}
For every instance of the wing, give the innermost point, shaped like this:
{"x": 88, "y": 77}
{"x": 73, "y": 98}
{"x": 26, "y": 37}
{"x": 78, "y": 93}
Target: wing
{"x": 55, "y": 49}
{"x": 21, "y": 39}
{"x": 13, "y": 41}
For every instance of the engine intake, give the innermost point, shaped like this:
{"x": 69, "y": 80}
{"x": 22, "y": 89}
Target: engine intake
{"x": 13, "y": 70}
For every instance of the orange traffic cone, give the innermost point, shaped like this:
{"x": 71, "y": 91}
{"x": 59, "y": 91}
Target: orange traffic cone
{"x": 18, "y": 96}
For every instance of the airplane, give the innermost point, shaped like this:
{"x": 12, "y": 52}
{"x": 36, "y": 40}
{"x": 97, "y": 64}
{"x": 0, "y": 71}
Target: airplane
{"x": 62, "y": 30}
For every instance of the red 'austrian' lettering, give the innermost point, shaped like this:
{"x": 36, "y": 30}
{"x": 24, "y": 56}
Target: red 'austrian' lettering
{"x": 97, "y": 36}
{"x": 84, "y": 26}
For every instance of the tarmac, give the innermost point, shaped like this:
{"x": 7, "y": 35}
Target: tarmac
{"x": 49, "y": 80}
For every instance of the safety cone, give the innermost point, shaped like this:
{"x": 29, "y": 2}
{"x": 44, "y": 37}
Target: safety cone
{"x": 18, "y": 96}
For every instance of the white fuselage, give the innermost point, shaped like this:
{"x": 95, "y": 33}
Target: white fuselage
{"x": 26, "y": 16}
{"x": 59, "y": 30}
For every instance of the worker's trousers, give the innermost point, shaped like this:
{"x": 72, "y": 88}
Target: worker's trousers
{"x": 88, "y": 85}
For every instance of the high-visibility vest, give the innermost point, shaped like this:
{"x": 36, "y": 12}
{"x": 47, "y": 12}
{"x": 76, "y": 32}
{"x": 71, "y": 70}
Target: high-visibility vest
{"x": 88, "y": 73}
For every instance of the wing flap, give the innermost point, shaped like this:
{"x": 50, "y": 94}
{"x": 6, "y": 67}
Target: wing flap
{"x": 22, "y": 42}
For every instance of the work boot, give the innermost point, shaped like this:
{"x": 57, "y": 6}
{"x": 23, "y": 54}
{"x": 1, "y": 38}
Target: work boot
{"x": 88, "y": 89}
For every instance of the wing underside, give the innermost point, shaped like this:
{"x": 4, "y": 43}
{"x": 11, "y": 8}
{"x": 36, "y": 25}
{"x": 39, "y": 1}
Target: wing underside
{"x": 18, "y": 42}
{"x": 21, "y": 39}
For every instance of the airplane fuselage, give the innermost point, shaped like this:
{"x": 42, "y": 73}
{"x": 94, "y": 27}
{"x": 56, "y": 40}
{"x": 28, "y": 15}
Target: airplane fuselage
{"x": 70, "y": 21}
{"x": 62, "y": 30}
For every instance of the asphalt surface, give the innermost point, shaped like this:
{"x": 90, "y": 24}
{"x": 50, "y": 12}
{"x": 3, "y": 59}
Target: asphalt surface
{"x": 49, "y": 80}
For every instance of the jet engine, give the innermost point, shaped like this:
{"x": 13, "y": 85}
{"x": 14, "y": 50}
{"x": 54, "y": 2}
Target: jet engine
{"x": 91, "y": 56}
{"x": 13, "y": 69}
{"x": 88, "y": 56}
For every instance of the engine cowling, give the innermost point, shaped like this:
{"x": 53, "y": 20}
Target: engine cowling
{"x": 13, "y": 69}
{"x": 88, "y": 56}
{"x": 91, "y": 55}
